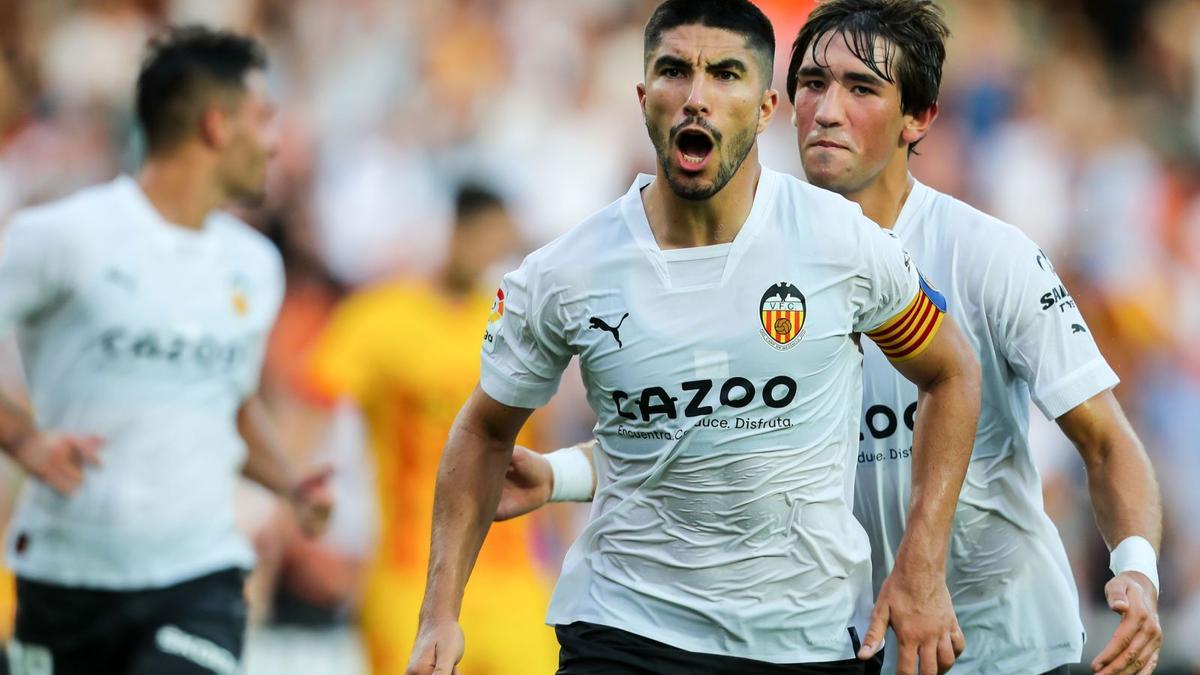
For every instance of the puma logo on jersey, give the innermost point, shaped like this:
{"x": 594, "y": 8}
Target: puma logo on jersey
{"x": 1077, "y": 328}
{"x": 596, "y": 323}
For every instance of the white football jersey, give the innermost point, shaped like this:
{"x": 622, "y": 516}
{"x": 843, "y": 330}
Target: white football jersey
{"x": 1007, "y": 569}
{"x": 727, "y": 382}
{"x": 149, "y": 335}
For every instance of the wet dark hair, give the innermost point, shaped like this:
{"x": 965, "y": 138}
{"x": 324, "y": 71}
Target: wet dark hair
{"x": 913, "y": 35}
{"x": 182, "y": 72}
{"x": 737, "y": 16}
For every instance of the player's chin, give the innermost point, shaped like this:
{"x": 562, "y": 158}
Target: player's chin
{"x": 692, "y": 185}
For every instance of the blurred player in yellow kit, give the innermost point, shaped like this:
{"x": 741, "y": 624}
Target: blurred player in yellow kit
{"x": 407, "y": 353}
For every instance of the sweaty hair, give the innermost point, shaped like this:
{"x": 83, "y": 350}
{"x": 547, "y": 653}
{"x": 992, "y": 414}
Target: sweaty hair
{"x": 183, "y": 72}
{"x": 911, "y": 33}
{"x": 737, "y": 16}
{"x": 472, "y": 199}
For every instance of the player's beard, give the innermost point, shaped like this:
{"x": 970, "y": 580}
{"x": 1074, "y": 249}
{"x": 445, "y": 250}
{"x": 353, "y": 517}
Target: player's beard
{"x": 740, "y": 145}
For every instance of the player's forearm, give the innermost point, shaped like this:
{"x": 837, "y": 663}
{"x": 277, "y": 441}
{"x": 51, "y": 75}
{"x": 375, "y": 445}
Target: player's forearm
{"x": 947, "y": 414}
{"x": 469, "y": 484}
{"x": 266, "y": 462}
{"x": 1124, "y": 493}
{"x": 16, "y": 426}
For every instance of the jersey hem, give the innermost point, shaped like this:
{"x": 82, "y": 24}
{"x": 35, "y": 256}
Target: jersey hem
{"x": 679, "y": 641}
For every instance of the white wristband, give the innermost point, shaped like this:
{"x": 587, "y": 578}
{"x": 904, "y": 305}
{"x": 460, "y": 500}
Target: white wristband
{"x": 1135, "y": 554}
{"x": 573, "y": 475}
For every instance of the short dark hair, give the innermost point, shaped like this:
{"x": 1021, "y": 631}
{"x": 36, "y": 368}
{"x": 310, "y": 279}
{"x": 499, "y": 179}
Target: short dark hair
{"x": 914, "y": 32}
{"x": 180, "y": 73}
{"x": 472, "y": 199}
{"x": 738, "y": 16}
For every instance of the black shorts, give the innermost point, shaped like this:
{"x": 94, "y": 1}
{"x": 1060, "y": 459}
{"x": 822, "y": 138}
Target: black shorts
{"x": 589, "y": 649}
{"x": 196, "y": 627}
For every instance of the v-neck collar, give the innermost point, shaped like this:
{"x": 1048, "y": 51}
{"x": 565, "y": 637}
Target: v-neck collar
{"x": 633, "y": 212}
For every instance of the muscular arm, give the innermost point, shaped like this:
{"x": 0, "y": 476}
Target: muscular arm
{"x": 1127, "y": 503}
{"x": 468, "y": 489}
{"x": 1121, "y": 481}
{"x": 914, "y": 598}
{"x": 948, "y": 381}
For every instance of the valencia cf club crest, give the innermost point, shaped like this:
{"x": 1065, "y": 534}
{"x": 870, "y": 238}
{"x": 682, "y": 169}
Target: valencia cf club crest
{"x": 781, "y": 314}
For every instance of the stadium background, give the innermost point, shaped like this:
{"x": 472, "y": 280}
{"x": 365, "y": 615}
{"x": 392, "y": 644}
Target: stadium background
{"x": 1078, "y": 120}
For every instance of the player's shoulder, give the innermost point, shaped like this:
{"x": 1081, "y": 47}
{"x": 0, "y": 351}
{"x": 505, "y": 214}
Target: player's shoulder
{"x": 838, "y": 221}
{"x": 971, "y": 230}
{"x": 587, "y": 244}
{"x": 69, "y": 216}
{"x": 244, "y": 241}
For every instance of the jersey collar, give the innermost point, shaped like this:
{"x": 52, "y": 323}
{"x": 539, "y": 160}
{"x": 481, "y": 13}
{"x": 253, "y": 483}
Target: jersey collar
{"x": 633, "y": 212}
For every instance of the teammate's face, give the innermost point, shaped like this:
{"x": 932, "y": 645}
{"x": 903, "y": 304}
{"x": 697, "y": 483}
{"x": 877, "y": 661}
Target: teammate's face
{"x": 848, "y": 120}
{"x": 704, "y": 103}
{"x": 251, "y": 142}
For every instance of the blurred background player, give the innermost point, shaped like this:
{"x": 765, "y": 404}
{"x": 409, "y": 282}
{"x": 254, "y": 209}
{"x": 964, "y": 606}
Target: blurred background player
{"x": 406, "y": 354}
{"x": 142, "y": 314}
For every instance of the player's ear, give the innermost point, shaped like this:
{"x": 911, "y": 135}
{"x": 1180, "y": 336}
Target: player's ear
{"x": 916, "y": 126}
{"x": 641, "y": 93}
{"x": 214, "y": 126}
{"x": 770, "y": 102}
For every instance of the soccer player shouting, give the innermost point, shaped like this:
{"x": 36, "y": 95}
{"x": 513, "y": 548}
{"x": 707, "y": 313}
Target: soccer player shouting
{"x": 864, "y": 79}
{"x": 717, "y": 310}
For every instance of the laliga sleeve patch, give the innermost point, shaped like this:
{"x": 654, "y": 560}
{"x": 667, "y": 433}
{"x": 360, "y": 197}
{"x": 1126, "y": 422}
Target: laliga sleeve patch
{"x": 493, "y": 323}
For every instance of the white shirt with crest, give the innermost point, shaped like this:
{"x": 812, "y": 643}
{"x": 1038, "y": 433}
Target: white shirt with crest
{"x": 150, "y": 336}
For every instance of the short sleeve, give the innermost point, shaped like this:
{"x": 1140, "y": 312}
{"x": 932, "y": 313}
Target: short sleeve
{"x": 33, "y": 270}
{"x": 524, "y": 348}
{"x": 902, "y": 311}
{"x": 1040, "y": 331}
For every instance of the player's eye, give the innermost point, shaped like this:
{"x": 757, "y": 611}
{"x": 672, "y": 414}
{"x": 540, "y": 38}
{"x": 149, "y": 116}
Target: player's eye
{"x": 814, "y": 85}
{"x": 672, "y": 72}
{"x": 859, "y": 90}
{"x": 726, "y": 75}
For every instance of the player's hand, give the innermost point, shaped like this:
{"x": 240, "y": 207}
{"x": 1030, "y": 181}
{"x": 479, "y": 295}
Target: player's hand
{"x": 919, "y": 610}
{"x": 58, "y": 459}
{"x": 1133, "y": 649}
{"x": 312, "y": 500}
{"x": 438, "y": 649}
{"x": 527, "y": 484}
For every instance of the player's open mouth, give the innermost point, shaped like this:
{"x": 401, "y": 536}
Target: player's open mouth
{"x": 693, "y": 148}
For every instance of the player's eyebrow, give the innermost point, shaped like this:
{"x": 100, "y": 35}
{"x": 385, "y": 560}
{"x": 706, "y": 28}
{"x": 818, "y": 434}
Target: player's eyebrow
{"x": 812, "y": 71}
{"x": 729, "y": 63}
{"x": 671, "y": 61}
{"x": 868, "y": 79}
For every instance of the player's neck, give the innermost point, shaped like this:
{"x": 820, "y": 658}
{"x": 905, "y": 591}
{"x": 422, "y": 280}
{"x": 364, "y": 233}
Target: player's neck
{"x": 883, "y": 198}
{"x": 682, "y": 223}
{"x": 181, "y": 190}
